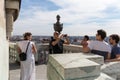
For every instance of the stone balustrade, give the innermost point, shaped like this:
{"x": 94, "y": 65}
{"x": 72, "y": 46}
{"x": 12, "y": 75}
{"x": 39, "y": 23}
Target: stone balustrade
{"x": 72, "y": 48}
{"x": 43, "y": 49}
{"x": 13, "y": 55}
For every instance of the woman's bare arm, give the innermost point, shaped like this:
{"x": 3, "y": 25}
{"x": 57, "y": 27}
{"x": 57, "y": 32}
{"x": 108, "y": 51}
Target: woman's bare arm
{"x": 34, "y": 49}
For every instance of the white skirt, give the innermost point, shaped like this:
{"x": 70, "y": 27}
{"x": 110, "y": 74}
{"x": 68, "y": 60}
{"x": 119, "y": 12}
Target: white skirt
{"x": 27, "y": 70}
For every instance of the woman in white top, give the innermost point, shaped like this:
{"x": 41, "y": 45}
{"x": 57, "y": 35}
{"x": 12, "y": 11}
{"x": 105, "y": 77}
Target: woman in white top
{"x": 27, "y": 66}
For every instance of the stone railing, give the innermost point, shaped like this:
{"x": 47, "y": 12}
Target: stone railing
{"x": 43, "y": 50}
{"x": 13, "y": 55}
{"x": 72, "y": 48}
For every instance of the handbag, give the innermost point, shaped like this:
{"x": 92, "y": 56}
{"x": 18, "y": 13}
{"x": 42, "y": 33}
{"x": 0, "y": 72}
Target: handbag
{"x": 23, "y": 55}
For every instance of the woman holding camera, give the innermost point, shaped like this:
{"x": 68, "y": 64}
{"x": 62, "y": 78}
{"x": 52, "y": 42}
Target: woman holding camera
{"x": 28, "y": 65}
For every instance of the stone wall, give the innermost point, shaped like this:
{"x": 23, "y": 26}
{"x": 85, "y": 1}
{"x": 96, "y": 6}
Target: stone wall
{"x": 9, "y": 10}
{"x": 4, "y": 68}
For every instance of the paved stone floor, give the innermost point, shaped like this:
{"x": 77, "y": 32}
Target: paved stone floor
{"x": 15, "y": 72}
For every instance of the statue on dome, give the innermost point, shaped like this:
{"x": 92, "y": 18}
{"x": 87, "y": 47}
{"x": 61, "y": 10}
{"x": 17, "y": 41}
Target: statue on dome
{"x": 58, "y": 26}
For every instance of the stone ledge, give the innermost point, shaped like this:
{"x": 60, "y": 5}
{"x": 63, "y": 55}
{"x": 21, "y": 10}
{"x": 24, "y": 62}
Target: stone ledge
{"x": 76, "y": 66}
{"x": 112, "y": 69}
{"x": 73, "y": 67}
{"x": 96, "y": 58}
{"x": 52, "y": 74}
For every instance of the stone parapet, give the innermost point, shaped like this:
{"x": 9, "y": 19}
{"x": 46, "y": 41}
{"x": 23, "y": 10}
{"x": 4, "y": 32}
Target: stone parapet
{"x": 112, "y": 69}
{"x": 72, "y": 48}
{"x": 52, "y": 74}
{"x": 96, "y": 58}
{"x": 73, "y": 67}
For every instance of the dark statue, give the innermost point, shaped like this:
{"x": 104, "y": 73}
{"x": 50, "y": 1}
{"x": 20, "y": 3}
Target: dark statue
{"x": 58, "y": 26}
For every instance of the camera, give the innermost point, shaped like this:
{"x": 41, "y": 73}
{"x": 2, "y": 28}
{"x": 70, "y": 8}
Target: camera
{"x": 65, "y": 35}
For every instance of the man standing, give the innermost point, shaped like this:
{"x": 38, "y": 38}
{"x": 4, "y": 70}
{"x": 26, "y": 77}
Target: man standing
{"x": 57, "y": 42}
{"x": 99, "y": 46}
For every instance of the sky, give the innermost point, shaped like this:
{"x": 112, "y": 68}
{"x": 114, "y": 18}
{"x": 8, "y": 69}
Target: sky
{"x": 79, "y": 17}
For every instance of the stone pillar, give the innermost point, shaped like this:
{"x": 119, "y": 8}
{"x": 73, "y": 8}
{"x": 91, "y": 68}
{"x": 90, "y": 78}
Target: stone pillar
{"x": 9, "y": 22}
{"x": 9, "y": 10}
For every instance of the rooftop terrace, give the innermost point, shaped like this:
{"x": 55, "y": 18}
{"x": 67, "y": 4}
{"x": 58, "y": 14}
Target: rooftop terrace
{"x": 42, "y": 58}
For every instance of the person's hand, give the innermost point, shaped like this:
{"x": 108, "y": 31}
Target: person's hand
{"x": 61, "y": 36}
{"x": 108, "y": 60}
{"x": 65, "y": 35}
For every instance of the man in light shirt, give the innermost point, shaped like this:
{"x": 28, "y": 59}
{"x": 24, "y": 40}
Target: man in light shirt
{"x": 99, "y": 46}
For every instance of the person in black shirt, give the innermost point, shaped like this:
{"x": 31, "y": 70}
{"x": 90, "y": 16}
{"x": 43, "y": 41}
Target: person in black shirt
{"x": 57, "y": 42}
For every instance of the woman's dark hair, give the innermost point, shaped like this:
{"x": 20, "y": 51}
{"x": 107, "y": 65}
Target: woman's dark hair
{"x": 115, "y": 37}
{"x": 87, "y": 37}
{"x": 26, "y": 35}
{"x": 102, "y": 33}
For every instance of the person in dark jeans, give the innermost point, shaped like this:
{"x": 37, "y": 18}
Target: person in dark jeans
{"x": 56, "y": 43}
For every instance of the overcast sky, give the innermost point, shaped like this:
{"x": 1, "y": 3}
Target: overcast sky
{"x": 79, "y": 17}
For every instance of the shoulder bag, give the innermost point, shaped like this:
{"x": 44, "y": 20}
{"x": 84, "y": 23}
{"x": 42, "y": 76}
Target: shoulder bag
{"x": 23, "y": 55}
